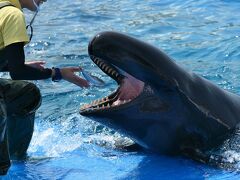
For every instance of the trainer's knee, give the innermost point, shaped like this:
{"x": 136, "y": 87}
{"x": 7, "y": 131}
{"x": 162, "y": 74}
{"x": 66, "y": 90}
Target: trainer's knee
{"x": 22, "y": 98}
{"x": 33, "y": 98}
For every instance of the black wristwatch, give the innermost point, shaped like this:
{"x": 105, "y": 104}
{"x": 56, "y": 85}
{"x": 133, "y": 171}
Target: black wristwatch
{"x": 57, "y": 76}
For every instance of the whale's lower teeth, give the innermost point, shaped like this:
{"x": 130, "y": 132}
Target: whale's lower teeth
{"x": 96, "y": 106}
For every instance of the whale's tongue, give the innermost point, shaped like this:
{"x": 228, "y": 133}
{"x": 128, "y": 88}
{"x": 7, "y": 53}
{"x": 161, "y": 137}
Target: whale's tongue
{"x": 130, "y": 88}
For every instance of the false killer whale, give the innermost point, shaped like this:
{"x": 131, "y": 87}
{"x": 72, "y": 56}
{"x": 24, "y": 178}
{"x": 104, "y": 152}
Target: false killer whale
{"x": 158, "y": 104}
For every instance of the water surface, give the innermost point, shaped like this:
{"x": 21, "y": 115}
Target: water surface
{"x": 202, "y": 36}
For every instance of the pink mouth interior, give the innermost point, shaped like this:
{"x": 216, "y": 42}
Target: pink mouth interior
{"x": 130, "y": 88}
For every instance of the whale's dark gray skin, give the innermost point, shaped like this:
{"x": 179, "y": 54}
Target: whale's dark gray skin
{"x": 174, "y": 112}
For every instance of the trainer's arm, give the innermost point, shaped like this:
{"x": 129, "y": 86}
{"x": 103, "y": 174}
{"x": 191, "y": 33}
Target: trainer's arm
{"x": 14, "y": 54}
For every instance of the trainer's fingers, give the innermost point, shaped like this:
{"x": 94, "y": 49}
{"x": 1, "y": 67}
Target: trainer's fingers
{"x": 75, "y": 69}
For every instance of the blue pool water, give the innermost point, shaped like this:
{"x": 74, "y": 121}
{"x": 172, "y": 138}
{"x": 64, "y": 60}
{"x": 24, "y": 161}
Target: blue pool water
{"x": 202, "y": 36}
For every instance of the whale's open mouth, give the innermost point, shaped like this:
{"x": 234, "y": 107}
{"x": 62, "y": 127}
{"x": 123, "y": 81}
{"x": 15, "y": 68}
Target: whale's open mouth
{"x": 128, "y": 89}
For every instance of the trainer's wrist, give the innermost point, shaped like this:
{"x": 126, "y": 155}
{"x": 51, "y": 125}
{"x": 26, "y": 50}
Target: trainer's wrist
{"x": 56, "y": 74}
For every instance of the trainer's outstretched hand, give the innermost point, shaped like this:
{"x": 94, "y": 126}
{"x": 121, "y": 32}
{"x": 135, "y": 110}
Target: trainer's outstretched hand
{"x": 68, "y": 73}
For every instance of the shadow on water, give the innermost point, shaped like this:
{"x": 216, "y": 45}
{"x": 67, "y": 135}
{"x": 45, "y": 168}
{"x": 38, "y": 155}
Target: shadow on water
{"x": 224, "y": 163}
{"x": 160, "y": 167}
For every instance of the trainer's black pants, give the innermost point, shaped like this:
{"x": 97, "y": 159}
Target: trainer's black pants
{"x": 18, "y": 102}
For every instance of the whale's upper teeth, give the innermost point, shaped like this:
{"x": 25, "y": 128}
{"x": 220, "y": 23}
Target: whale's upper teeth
{"x": 104, "y": 66}
{"x": 96, "y": 60}
{"x": 101, "y": 64}
{"x": 107, "y": 68}
{"x": 110, "y": 70}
